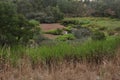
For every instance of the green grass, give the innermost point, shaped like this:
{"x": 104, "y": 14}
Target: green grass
{"x": 109, "y": 23}
{"x": 63, "y": 50}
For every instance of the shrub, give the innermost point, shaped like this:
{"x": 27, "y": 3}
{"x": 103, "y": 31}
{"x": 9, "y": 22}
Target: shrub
{"x": 102, "y": 28}
{"x": 34, "y": 23}
{"x": 14, "y": 28}
{"x": 84, "y": 22}
{"x": 97, "y": 35}
{"x": 81, "y": 33}
{"x": 39, "y": 16}
{"x": 49, "y": 15}
{"x": 66, "y": 37}
{"x": 54, "y": 32}
{"x": 69, "y": 21}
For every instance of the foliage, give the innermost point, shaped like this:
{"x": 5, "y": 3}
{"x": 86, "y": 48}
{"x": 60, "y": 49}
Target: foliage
{"x": 70, "y": 8}
{"x": 81, "y": 33}
{"x": 90, "y": 50}
{"x": 97, "y": 35}
{"x": 34, "y": 23}
{"x": 69, "y": 21}
{"x": 14, "y": 28}
{"x": 66, "y": 37}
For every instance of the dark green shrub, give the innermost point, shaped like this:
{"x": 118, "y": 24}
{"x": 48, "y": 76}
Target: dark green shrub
{"x": 14, "y": 28}
{"x": 102, "y": 28}
{"x": 68, "y": 22}
{"x": 97, "y": 35}
{"x": 49, "y": 15}
{"x": 49, "y": 19}
{"x": 39, "y": 16}
{"x": 81, "y": 32}
{"x": 66, "y": 37}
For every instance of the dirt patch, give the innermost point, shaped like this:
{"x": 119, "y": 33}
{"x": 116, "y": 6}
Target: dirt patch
{"x": 47, "y": 27}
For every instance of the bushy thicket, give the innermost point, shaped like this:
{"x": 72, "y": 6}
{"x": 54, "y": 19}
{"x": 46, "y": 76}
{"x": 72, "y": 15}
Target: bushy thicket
{"x": 15, "y": 28}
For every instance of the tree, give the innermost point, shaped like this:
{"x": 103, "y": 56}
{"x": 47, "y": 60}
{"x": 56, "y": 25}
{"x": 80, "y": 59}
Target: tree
{"x": 14, "y": 28}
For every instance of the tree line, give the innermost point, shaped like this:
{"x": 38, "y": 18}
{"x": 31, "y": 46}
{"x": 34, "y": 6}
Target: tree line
{"x": 54, "y": 10}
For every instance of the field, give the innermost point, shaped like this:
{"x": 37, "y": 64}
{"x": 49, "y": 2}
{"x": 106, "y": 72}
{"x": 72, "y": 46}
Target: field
{"x": 66, "y": 60}
{"x": 62, "y": 60}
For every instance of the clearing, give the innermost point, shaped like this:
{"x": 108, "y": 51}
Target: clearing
{"x": 47, "y": 27}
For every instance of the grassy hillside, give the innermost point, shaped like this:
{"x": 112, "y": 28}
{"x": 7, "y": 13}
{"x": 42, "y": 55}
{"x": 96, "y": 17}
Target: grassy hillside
{"x": 55, "y": 59}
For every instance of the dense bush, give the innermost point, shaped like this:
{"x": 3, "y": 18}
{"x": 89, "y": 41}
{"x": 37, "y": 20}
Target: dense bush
{"x": 66, "y": 37}
{"x": 14, "y": 28}
{"x": 81, "y": 33}
{"x": 69, "y": 21}
{"x": 97, "y": 35}
{"x": 49, "y": 15}
{"x": 34, "y": 23}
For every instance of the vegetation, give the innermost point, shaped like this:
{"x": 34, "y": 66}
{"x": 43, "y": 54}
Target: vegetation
{"x": 90, "y": 50}
{"x": 66, "y": 37}
{"x": 98, "y": 35}
{"x": 96, "y": 23}
{"x": 15, "y": 28}
{"x": 90, "y": 38}
{"x": 54, "y": 32}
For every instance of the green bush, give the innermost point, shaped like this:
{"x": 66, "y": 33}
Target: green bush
{"x": 34, "y": 23}
{"x": 69, "y": 21}
{"x": 97, "y": 35}
{"x": 48, "y": 15}
{"x": 66, "y": 37}
{"x": 14, "y": 28}
{"x": 81, "y": 33}
{"x": 84, "y": 22}
{"x": 54, "y": 32}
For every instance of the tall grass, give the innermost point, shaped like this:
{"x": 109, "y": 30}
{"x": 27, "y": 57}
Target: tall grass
{"x": 89, "y": 50}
